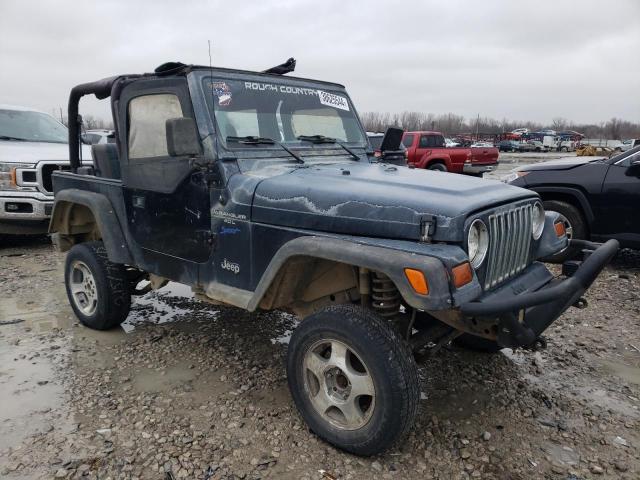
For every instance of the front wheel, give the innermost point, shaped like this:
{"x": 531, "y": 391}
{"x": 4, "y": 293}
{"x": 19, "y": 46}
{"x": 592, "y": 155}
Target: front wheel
{"x": 353, "y": 379}
{"x": 98, "y": 289}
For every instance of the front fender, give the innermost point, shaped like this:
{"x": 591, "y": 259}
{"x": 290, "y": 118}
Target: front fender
{"x": 388, "y": 257}
{"x": 104, "y": 215}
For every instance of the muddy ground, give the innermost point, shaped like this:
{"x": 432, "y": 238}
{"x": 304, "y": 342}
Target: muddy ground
{"x": 196, "y": 391}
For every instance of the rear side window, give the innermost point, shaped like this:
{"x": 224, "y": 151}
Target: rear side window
{"x": 148, "y": 115}
{"x": 431, "y": 141}
{"x": 407, "y": 141}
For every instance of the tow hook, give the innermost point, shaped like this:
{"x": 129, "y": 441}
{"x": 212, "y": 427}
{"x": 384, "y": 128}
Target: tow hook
{"x": 512, "y": 333}
{"x": 581, "y": 303}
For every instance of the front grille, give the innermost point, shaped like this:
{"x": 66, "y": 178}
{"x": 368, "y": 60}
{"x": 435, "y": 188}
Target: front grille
{"x": 509, "y": 244}
{"x": 47, "y": 170}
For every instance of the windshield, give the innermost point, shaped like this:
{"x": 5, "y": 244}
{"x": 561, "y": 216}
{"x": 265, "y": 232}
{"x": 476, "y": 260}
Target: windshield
{"x": 31, "y": 126}
{"x": 281, "y": 111}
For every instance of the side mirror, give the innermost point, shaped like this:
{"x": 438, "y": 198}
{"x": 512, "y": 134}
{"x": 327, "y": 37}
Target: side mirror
{"x": 85, "y": 139}
{"x": 182, "y": 137}
{"x": 633, "y": 170}
{"x": 392, "y": 139}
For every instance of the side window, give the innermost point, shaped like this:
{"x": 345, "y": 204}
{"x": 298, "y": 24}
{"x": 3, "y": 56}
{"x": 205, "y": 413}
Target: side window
{"x": 438, "y": 141}
{"x": 147, "y": 116}
{"x": 424, "y": 141}
{"x": 407, "y": 141}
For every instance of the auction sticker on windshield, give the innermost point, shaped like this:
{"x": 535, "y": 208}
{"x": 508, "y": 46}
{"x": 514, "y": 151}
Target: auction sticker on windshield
{"x": 333, "y": 100}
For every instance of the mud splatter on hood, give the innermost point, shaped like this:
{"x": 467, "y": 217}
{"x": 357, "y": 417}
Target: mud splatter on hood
{"x": 376, "y": 200}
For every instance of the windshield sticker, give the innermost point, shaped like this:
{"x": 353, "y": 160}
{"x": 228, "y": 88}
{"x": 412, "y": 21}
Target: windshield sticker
{"x": 279, "y": 88}
{"x": 223, "y": 92}
{"x": 331, "y": 100}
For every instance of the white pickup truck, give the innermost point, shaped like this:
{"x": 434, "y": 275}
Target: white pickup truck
{"x": 33, "y": 145}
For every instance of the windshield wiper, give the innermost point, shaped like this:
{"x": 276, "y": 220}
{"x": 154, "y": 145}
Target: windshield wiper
{"x": 18, "y": 139}
{"x": 252, "y": 140}
{"x": 323, "y": 139}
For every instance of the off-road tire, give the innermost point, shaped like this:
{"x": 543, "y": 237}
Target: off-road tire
{"x": 111, "y": 286}
{"x": 578, "y": 226}
{"x": 388, "y": 361}
{"x": 438, "y": 167}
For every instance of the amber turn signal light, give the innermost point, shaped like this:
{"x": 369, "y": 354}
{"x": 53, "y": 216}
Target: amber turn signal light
{"x": 560, "y": 230}
{"x": 417, "y": 281}
{"x": 462, "y": 274}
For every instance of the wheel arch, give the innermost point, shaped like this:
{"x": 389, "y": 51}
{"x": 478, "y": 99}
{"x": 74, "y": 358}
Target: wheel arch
{"x": 569, "y": 195}
{"x": 320, "y": 254}
{"x": 80, "y": 216}
{"x": 444, "y": 159}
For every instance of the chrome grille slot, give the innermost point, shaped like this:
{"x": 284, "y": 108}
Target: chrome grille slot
{"x": 510, "y": 239}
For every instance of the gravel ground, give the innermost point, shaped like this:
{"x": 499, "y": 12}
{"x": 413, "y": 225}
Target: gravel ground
{"x": 197, "y": 391}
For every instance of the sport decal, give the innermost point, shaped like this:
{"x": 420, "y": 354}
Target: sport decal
{"x": 223, "y": 92}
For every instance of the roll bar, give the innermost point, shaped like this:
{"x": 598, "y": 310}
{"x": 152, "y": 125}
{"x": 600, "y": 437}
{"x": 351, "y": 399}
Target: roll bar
{"x": 101, "y": 89}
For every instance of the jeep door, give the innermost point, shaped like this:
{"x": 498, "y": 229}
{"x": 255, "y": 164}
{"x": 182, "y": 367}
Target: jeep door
{"x": 166, "y": 199}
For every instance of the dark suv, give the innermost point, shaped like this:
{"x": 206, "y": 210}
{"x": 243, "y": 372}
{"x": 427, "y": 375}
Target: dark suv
{"x": 596, "y": 198}
{"x": 260, "y": 191}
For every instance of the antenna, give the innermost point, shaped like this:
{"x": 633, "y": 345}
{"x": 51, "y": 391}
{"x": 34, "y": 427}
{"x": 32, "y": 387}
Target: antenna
{"x": 213, "y": 106}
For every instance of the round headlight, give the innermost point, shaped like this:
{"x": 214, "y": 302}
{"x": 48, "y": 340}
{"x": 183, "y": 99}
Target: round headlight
{"x": 477, "y": 243}
{"x": 537, "y": 220}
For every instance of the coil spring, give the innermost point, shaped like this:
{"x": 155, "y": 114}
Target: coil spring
{"x": 385, "y": 298}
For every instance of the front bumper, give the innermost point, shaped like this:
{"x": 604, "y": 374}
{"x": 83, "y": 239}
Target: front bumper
{"x": 479, "y": 168}
{"x": 21, "y": 205}
{"x": 522, "y": 318}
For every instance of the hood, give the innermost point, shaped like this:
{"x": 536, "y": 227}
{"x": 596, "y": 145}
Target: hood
{"x": 560, "y": 164}
{"x": 377, "y": 200}
{"x": 33, "y": 152}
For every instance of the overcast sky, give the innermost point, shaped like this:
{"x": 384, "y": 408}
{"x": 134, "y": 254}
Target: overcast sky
{"x": 502, "y": 59}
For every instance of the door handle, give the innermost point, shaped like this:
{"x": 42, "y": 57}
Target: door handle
{"x": 138, "y": 201}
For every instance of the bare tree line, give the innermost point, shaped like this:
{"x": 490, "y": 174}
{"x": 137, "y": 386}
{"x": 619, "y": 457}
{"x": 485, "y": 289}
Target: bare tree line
{"x": 89, "y": 122}
{"x": 452, "y": 124}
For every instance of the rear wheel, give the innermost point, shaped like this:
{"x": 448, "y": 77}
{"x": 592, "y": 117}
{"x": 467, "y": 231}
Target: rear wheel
{"x": 438, "y": 166}
{"x": 353, "y": 379}
{"x": 574, "y": 225}
{"x": 98, "y": 289}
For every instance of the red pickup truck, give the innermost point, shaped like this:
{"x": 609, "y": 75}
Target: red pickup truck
{"x": 428, "y": 150}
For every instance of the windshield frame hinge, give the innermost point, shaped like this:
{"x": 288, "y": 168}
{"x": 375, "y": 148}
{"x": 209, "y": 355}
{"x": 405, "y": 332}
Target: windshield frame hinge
{"x": 427, "y": 228}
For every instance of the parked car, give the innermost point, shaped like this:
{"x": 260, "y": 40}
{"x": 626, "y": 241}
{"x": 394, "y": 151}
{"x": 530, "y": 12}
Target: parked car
{"x": 397, "y": 158}
{"x": 428, "y": 150}
{"x": 520, "y": 131}
{"x": 93, "y": 137}
{"x": 33, "y": 145}
{"x": 482, "y": 145}
{"x": 449, "y": 143}
{"x": 628, "y": 144}
{"x": 380, "y": 261}
{"x": 526, "y": 147}
{"x": 538, "y": 146}
{"x": 597, "y": 198}
{"x": 508, "y": 146}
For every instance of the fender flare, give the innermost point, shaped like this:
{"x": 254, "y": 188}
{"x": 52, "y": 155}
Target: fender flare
{"x": 427, "y": 159}
{"x": 572, "y": 192}
{"x": 104, "y": 214}
{"x": 388, "y": 261}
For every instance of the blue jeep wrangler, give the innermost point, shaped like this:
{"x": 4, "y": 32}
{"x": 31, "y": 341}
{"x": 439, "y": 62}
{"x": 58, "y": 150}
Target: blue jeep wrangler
{"x": 261, "y": 191}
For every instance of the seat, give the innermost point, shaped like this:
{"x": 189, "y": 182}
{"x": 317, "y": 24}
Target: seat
{"x": 105, "y": 160}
